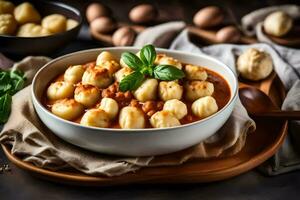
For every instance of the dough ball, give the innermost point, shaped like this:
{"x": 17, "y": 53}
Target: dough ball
{"x": 97, "y": 76}
{"x": 55, "y": 23}
{"x": 278, "y": 24}
{"x": 6, "y": 7}
{"x": 112, "y": 66}
{"x": 196, "y": 89}
{"x": 131, "y": 118}
{"x": 204, "y": 107}
{"x": 168, "y": 90}
{"x": 166, "y": 60}
{"x": 60, "y": 90}
{"x": 120, "y": 74}
{"x": 26, "y": 13}
{"x": 110, "y": 106}
{"x": 96, "y": 118}
{"x": 164, "y": 119}
{"x": 8, "y": 24}
{"x": 74, "y": 74}
{"x": 71, "y": 23}
{"x": 87, "y": 95}
{"x": 254, "y": 64}
{"x": 147, "y": 91}
{"x": 194, "y": 72}
{"x": 176, "y": 107}
{"x": 32, "y": 30}
{"x": 104, "y": 56}
{"x": 67, "y": 109}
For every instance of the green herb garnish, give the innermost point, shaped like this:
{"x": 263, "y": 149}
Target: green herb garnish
{"x": 10, "y": 83}
{"x": 144, "y": 67}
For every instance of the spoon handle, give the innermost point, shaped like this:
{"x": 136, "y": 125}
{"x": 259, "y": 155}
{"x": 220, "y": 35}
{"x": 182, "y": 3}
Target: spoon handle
{"x": 279, "y": 114}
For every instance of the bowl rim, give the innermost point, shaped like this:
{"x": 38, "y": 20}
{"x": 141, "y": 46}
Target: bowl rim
{"x": 234, "y": 94}
{"x": 61, "y": 5}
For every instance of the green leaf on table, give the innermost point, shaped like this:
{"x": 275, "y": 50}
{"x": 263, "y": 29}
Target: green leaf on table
{"x": 131, "y": 81}
{"x": 5, "y": 107}
{"x": 167, "y": 73}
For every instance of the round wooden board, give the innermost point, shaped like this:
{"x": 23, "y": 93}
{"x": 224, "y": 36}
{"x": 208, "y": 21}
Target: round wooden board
{"x": 260, "y": 145}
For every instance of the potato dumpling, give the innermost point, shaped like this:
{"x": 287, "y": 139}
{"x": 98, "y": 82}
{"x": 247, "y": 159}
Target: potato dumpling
{"x": 196, "y": 89}
{"x": 164, "y": 119}
{"x": 71, "y": 23}
{"x": 97, "y": 76}
{"x": 67, "y": 109}
{"x": 194, "y": 72}
{"x": 111, "y": 65}
{"x": 110, "y": 106}
{"x": 104, "y": 56}
{"x": 95, "y": 117}
{"x": 6, "y": 7}
{"x": 60, "y": 90}
{"x": 204, "y": 107}
{"x": 26, "y": 13}
{"x": 147, "y": 91}
{"x": 87, "y": 95}
{"x": 74, "y": 74}
{"x": 131, "y": 117}
{"x": 176, "y": 107}
{"x": 55, "y": 23}
{"x": 166, "y": 60}
{"x": 169, "y": 90}
{"x": 120, "y": 74}
{"x": 8, "y": 24}
{"x": 32, "y": 30}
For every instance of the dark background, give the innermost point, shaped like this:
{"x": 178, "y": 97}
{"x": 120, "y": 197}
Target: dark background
{"x": 18, "y": 184}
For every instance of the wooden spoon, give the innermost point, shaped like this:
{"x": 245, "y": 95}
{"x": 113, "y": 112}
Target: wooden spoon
{"x": 258, "y": 104}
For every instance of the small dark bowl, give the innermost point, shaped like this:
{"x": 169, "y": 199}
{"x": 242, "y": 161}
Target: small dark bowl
{"x": 23, "y": 46}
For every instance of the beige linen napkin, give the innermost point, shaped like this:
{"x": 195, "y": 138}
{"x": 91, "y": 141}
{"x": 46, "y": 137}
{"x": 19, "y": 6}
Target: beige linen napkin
{"x": 31, "y": 141}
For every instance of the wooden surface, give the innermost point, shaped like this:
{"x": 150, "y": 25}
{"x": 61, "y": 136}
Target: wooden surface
{"x": 260, "y": 146}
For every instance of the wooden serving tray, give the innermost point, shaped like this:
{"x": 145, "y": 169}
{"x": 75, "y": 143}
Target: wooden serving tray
{"x": 260, "y": 146}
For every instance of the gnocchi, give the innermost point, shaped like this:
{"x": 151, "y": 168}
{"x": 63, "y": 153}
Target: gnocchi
{"x": 103, "y": 57}
{"x": 170, "y": 90}
{"x": 8, "y": 24}
{"x": 55, "y": 23}
{"x": 95, "y": 117}
{"x": 60, "y": 90}
{"x": 163, "y": 119}
{"x": 147, "y": 91}
{"x": 120, "y": 74}
{"x": 6, "y": 7}
{"x": 176, "y": 107}
{"x": 26, "y": 13}
{"x": 131, "y": 118}
{"x": 87, "y": 95}
{"x": 110, "y": 106}
{"x": 32, "y": 30}
{"x": 97, "y": 76}
{"x": 193, "y": 72}
{"x": 74, "y": 74}
{"x": 67, "y": 109}
{"x": 204, "y": 107}
{"x": 196, "y": 89}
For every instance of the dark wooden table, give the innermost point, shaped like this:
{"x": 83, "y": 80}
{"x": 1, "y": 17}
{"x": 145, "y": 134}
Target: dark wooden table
{"x": 18, "y": 184}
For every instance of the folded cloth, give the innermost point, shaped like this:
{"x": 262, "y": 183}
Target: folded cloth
{"x": 252, "y": 23}
{"x": 34, "y": 143}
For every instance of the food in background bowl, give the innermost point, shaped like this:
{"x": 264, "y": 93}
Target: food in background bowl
{"x": 166, "y": 94}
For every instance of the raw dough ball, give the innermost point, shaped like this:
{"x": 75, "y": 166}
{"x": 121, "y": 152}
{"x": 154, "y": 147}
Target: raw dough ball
{"x": 96, "y": 118}
{"x": 67, "y": 109}
{"x": 194, "y": 72}
{"x": 165, "y": 60}
{"x": 164, "y": 119}
{"x": 8, "y": 24}
{"x": 124, "y": 36}
{"x": 112, "y": 66}
{"x": 147, "y": 91}
{"x": 110, "y": 106}
{"x": 204, "y": 107}
{"x": 119, "y": 75}
{"x": 169, "y": 90}
{"x": 26, "y": 13}
{"x": 254, "y": 64}
{"x": 176, "y": 107}
{"x": 87, "y": 95}
{"x": 74, "y": 74}
{"x": 96, "y": 10}
{"x": 6, "y": 7}
{"x": 131, "y": 118}
{"x": 104, "y": 56}
{"x": 55, "y": 23}
{"x": 60, "y": 90}
{"x": 71, "y": 23}
{"x": 196, "y": 89}
{"x": 143, "y": 13}
{"x": 278, "y": 24}
{"x": 97, "y": 76}
{"x": 32, "y": 30}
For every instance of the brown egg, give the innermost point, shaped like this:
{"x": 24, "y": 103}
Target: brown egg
{"x": 103, "y": 25}
{"x": 96, "y": 10}
{"x": 228, "y": 34}
{"x": 208, "y": 17}
{"x": 143, "y": 13}
{"x": 124, "y": 36}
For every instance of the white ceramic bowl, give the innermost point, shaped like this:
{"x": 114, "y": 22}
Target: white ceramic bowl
{"x": 132, "y": 142}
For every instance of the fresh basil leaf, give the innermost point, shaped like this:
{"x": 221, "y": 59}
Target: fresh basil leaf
{"x": 4, "y": 77}
{"x": 5, "y": 107}
{"x": 131, "y": 81}
{"x": 167, "y": 73}
{"x": 132, "y": 61}
{"x": 148, "y": 54}
{"x": 4, "y": 88}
